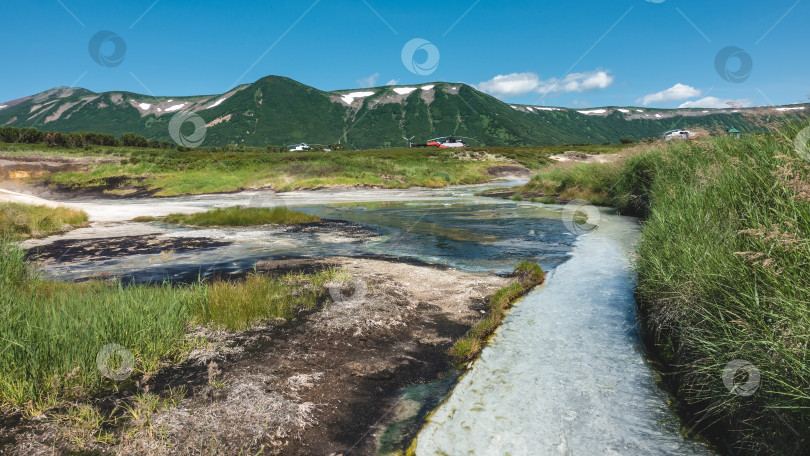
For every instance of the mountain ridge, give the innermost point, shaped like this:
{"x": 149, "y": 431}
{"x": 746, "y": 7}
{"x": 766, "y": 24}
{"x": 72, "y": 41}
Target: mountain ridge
{"x": 279, "y": 110}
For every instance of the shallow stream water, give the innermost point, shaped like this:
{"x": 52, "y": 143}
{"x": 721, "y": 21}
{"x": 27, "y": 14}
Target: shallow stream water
{"x": 564, "y": 374}
{"x": 451, "y": 227}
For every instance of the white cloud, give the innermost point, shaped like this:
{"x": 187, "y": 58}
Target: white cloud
{"x": 369, "y": 81}
{"x": 516, "y": 84}
{"x": 718, "y": 103}
{"x": 510, "y": 85}
{"x": 392, "y": 82}
{"x": 576, "y": 82}
{"x": 676, "y": 92}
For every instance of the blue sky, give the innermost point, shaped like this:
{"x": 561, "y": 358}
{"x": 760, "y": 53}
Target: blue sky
{"x": 567, "y": 53}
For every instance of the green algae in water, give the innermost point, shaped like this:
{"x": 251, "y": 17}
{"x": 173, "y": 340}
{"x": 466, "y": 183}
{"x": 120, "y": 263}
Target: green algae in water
{"x": 413, "y": 407}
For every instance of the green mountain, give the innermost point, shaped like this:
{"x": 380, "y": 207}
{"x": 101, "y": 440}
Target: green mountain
{"x": 280, "y": 111}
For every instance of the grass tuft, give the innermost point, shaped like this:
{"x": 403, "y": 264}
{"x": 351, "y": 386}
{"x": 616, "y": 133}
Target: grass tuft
{"x": 24, "y": 221}
{"x": 237, "y": 216}
{"x": 470, "y": 345}
{"x": 240, "y": 305}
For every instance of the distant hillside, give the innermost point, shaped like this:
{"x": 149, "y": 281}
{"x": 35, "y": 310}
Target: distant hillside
{"x": 280, "y": 111}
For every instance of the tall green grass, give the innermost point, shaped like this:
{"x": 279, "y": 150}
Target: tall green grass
{"x": 25, "y": 220}
{"x": 240, "y": 305}
{"x": 52, "y": 332}
{"x": 723, "y": 275}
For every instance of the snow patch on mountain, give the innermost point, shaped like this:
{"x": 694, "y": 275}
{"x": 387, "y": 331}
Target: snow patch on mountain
{"x": 175, "y": 107}
{"x": 350, "y": 97}
{"x": 217, "y": 103}
{"x": 593, "y": 112}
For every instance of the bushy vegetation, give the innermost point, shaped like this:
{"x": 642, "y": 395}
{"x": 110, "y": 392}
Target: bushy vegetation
{"x": 722, "y": 275}
{"x": 52, "y": 331}
{"x": 470, "y": 345}
{"x": 25, "y": 221}
{"x": 237, "y": 216}
{"x": 78, "y": 139}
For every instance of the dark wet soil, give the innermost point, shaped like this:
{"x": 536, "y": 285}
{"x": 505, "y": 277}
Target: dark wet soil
{"x": 351, "y": 399}
{"x": 100, "y": 249}
{"x": 84, "y": 250}
{"x": 111, "y": 187}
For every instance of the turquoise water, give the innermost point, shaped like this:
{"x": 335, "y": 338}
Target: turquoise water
{"x": 471, "y": 235}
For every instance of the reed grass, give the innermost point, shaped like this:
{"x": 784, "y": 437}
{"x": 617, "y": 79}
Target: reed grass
{"x": 26, "y": 221}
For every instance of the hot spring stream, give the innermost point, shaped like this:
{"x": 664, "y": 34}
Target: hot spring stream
{"x": 564, "y": 374}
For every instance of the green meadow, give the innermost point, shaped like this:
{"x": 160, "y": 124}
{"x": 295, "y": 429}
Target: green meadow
{"x": 169, "y": 172}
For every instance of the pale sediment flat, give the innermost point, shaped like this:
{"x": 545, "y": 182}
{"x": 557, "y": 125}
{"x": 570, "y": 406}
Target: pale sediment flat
{"x": 123, "y": 209}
